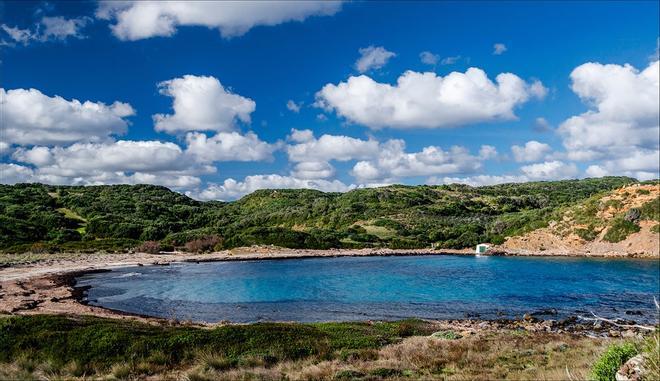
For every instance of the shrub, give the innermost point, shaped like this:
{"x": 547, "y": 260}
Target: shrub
{"x": 633, "y": 215}
{"x": 203, "y": 244}
{"x": 651, "y": 210}
{"x": 619, "y": 230}
{"x": 150, "y": 247}
{"x": 609, "y": 363}
{"x": 587, "y": 234}
{"x": 655, "y": 229}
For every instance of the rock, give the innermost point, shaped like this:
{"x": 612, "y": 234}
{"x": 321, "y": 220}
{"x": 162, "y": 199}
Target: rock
{"x": 634, "y": 312}
{"x": 547, "y": 311}
{"x": 528, "y": 317}
{"x": 628, "y": 333}
{"x": 613, "y": 333}
{"x": 598, "y": 324}
{"x": 632, "y": 370}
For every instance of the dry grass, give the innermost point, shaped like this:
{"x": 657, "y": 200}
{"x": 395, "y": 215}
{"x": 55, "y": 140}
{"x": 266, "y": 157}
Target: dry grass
{"x": 494, "y": 356}
{"x": 504, "y": 355}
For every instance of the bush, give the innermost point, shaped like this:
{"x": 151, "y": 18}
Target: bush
{"x": 203, "y": 244}
{"x": 609, "y": 363}
{"x": 655, "y": 229}
{"x": 149, "y": 247}
{"x": 651, "y": 210}
{"x": 619, "y": 230}
{"x": 588, "y": 234}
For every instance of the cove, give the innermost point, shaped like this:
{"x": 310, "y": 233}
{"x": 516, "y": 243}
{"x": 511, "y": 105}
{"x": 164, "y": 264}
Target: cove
{"x": 384, "y": 288}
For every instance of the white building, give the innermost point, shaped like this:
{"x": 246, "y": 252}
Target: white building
{"x": 482, "y": 248}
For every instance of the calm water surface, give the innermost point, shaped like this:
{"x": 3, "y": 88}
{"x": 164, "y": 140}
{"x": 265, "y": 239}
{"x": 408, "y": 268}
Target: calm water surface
{"x": 353, "y": 288}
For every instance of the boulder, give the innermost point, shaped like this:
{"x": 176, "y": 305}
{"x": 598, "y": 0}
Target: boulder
{"x": 632, "y": 370}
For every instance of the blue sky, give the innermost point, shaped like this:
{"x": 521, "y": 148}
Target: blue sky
{"x": 103, "y": 53}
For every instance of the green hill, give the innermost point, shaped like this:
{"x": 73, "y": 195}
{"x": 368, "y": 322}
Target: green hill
{"x": 118, "y": 217}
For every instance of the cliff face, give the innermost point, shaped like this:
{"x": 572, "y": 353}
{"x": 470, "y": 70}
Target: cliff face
{"x": 623, "y": 222}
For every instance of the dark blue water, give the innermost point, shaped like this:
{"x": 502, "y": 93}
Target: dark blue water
{"x": 333, "y": 289}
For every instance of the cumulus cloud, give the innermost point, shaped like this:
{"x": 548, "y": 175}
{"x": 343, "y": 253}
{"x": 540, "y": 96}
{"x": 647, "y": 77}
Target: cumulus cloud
{"x": 372, "y": 57}
{"x": 478, "y": 180}
{"x": 550, "y": 170}
{"x": 532, "y": 151}
{"x": 541, "y": 125}
{"x": 202, "y": 104}
{"x": 429, "y": 58}
{"x": 231, "y": 189}
{"x": 228, "y": 146}
{"x": 293, "y": 106}
{"x": 328, "y": 147}
{"x": 393, "y": 162}
{"x": 426, "y": 100}
{"x": 621, "y": 129}
{"x": 310, "y": 170}
{"x": 499, "y": 49}
{"x": 31, "y": 117}
{"x": 56, "y": 28}
{"x": 135, "y": 20}
{"x": 124, "y": 155}
{"x": 121, "y": 162}
{"x": 4, "y": 148}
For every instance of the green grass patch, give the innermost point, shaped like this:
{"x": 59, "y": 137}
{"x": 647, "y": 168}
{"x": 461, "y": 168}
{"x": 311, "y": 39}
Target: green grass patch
{"x": 609, "y": 363}
{"x": 651, "y": 210}
{"x": 98, "y": 344}
{"x": 620, "y": 229}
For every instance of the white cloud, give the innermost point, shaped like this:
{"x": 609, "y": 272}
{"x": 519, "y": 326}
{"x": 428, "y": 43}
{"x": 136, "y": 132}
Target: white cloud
{"x": 202, "y": 104}
{"x": 429, "y": 58}
{"x": 450, "y": 60}
{"x": 427, "y": 100}
{"x": 134, "y": 20}
{"x": 14, "y": 173}
{"x": 232, "y": 189}
{"x": 478, "y": 180}
{"x": 228, "y": 146}
{"x": 550, "y": 170}
{"x": 124, "y": 155}
{"x": 121, "y": 162}
{"x": 31, "y": 117}
{"x": 60, "y": 28}
{"x": 56, "y": 28}
{"x": 532, "y": 151}
{"x": 329, "y": 147}
{"x": 4, "y": 148}
{"x": 487, "y": 152}
{"x": 499, "y": 49}
{"x": 621, "y": 129}
{"x": 313, "y": 170}
{"x": 393, "y": 162}
{"x": 372, "y": 57}
{"x": 293, "y": 106}
{"x": 18, "y": 35}
{"x": 541, "y": 125}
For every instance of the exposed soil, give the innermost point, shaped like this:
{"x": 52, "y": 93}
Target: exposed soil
{"x": 560, "y": 239}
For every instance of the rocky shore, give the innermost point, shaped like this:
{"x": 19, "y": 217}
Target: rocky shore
{"x": 50, "y": 288}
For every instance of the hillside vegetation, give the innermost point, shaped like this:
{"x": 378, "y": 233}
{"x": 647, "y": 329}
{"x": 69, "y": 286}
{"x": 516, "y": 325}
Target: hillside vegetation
{"x": 37, "y": 217}
{"x": 625, "y": 220}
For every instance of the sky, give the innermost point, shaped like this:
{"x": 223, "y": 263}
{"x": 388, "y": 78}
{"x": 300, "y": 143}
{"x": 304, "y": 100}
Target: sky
{"x": 218, "y": 99}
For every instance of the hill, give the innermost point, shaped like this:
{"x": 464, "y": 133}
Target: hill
{"x": 625, "y": 220}
{"x": 37, "y": 217}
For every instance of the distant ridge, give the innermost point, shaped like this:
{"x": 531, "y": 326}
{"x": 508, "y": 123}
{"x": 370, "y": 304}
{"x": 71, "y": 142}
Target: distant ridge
{"x": 37, "y": 217}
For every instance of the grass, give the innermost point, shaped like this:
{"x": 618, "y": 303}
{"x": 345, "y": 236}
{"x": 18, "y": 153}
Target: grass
{"x": 609, "y": 363}
{"x": 619, "y": 230}
{"x": 98, "y": 344}
{"x": 57, "y": 347}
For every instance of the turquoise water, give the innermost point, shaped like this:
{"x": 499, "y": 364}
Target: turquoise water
{"x": 361, "y": 288}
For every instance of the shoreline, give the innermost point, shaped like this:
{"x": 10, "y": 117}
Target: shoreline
{"x": 49, "y": 287}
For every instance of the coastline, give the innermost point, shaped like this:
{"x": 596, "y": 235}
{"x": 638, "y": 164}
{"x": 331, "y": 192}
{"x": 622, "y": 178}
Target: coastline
{"x": 49, "y": 287}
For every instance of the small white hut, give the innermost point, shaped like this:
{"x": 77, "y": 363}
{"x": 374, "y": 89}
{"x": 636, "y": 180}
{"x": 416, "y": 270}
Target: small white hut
{"x": 482, "y": 248}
